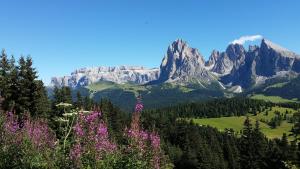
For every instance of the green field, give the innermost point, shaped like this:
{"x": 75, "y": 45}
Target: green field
{"x": 236, "y": 123}
{"x": 111, "y": 85}
{"x": 274, "y": 99}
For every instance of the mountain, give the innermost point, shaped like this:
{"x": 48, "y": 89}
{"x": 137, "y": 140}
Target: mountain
{"x": 121, "y": 74}
{"x": 223, "y": 63}
{"x": 262, "y": 63}
{"x": 183, "y": 64}
{"x": 185, "y": 76}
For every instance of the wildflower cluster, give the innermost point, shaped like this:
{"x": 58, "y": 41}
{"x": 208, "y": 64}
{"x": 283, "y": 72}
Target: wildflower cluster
{"x": 85, "y": 143}
{"x": 28, "y": 138}
{"x": 36, "y": 131}
{"x": 91, "y": 139}
{"x": 143, "y": 145}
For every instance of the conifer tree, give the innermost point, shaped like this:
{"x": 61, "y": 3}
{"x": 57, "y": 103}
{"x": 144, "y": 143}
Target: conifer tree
{"x": 14, "y": 88}
{"x": 259, "y": 146}
{"x": 41, "y": 104}
{"x": 4, "y": 80}
{"x": 79, "y": 101}
{"x": 246, "y": 146}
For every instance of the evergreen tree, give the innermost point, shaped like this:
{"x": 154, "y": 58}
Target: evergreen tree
{"x": 79, "y": 101}
{"x": 88, "y": 103}
{"x": 247, "y": 146}
{"x": 296, "y": 127}
{"x": 14, "y": 88}
{"x": 24, "y": 84}
{"x": 60, "y": 95}
{"x": 4, "y": 79}
{"x": 284, "y": 146}
{"x": 41, "y": 104}
{"x": 259, "y": 147}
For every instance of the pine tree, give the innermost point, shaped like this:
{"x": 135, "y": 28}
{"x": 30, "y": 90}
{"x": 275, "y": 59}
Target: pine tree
{"x": 246, "y": 146}
{"x": 79, "y": 101}
{"x": 31, "y": 76}
{"x": 13, "y": 81}
{"x": 41, "y": 104}
{"x": 4, "y": 79}
{"x": 24, "y": 92}
{"x": 88, "y": 103}
{"x": 259, "y": 146}
{"x": 296, "y": 127}
{"x": 284, "y": 146}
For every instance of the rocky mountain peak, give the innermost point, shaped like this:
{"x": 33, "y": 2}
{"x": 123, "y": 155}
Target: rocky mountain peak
{"x": 267, "y": 45}
{"x": 212, "y": 59}
{"x": 235, "y": 51}
{"x": 181, "y": 62}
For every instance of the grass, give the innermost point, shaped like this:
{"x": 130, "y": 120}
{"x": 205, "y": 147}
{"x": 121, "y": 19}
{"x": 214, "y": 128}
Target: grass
{"x": 136, "y": 89}
{"x": 236, "y": 123}
{"x": 111, "y": 85}
{"x": 277, "y": 85}
{"x": 274, "y": 99}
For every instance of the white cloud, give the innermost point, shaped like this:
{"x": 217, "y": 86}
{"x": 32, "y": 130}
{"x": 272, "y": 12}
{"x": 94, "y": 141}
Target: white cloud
{"x": 244, "y": 39}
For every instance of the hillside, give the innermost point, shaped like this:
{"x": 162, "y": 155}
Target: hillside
{"x": 236, "y": 123}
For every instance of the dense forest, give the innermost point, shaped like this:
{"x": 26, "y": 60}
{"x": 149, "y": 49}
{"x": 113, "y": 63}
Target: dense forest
{"x": 80, "y": 133}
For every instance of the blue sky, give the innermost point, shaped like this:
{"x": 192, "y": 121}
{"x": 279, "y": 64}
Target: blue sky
{"x": 62, "y": 35}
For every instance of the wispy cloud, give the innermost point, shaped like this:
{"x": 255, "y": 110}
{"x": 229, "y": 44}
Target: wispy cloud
{"x": 244, "y": 39}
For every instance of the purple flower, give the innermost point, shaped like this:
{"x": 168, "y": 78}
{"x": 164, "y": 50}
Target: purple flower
{"x": 91, "y": 135}
{"x": 78, "y": 130}
{"x": 144, "y": 135}
{"x": 92, "y": 117}
{"x": 102, "y": 130}
{"x": 139, "y": 107}
{"x": 75, "y": 152}
{"x": 155, "y": 140}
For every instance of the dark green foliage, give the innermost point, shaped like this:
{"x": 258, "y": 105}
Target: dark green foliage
{"x": 277, "y": 120}
{"x": 192, "y": 146}
{"x": 290, "y": 90}
{"x": 62, "y": 95}
{"x": 20, "y": 88}
{"x": 218, "y": 108}
{"x": 79, "y": 100}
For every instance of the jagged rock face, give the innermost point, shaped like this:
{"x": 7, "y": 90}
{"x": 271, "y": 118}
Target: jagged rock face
{"x": 223, "y": 63}
{"x": 273, "y": 58}
{"x": 236, "y": 54}
{"x": 212, "y": 59}
{"x": 121, "y": 74}
{"x": 262, "y": 63}
{"x": 182, "y": 64}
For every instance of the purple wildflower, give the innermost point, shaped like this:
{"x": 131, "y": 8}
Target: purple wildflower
{"x": 75, "y": 152}
{"x": 155, "y": 140}
{"x": 78, "y": 130}
{"x": 139, "y": 107}
{"x": 91, "y": 135}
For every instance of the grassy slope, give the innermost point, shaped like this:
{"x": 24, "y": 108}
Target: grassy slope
{"x": 236, "y": 123}
{"x": 111, "y": 86}
{"x": 154, "y": 96}
{"x": 285, "y": 88}
{"x": 274, "y": 99}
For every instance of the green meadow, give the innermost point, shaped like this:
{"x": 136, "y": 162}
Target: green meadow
{"x": 236, "y": 123}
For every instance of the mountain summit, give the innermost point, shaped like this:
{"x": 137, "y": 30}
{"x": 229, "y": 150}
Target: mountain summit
{"x": 183, "y": 64}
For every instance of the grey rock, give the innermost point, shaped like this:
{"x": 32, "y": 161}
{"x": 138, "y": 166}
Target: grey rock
{"x": 183, "y": 64}
{"x": 120, "y": 74}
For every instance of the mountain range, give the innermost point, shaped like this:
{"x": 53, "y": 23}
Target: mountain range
{"x": 235, "y": 70}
